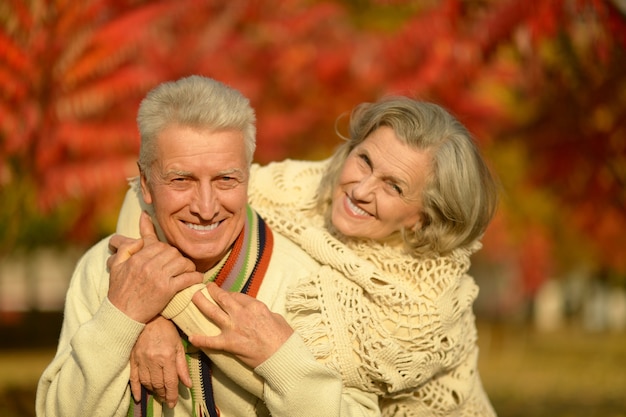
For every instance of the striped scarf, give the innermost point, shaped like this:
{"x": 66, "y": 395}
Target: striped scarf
{"x": 241, "y": 271}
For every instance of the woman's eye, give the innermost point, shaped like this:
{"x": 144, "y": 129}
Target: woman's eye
{"x": 364, "y": 162}
{"x": 365, "y": 159}
{"x": 396, "y": 188}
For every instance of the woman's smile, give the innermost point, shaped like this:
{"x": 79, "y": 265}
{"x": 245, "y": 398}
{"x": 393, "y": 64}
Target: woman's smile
{"x": 353, "y": 208}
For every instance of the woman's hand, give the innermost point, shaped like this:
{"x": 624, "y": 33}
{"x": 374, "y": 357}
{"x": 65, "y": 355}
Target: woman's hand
{"x": 158, "y": 361}
{"x": 250, "y": 331}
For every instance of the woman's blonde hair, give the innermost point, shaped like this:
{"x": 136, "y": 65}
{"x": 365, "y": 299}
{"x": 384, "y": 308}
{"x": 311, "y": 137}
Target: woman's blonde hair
{"x": 460, "y": 197}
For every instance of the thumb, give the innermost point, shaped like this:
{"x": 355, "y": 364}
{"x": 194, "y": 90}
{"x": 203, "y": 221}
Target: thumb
{"x": 146, "y": 227}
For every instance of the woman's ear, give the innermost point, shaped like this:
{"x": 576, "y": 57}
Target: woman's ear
{"x": 422, "y": 222}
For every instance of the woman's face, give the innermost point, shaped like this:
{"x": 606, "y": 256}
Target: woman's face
{"x": 380, "y": 187}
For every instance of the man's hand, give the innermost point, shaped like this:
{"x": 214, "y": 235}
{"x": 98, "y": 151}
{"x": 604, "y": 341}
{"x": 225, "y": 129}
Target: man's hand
{"x": 250, "y": 331}
{"x": 145, "y": 276}
{"x": 158, "y": 361}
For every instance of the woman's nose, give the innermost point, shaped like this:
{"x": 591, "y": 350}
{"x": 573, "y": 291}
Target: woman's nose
{"x": 364, "y": 189}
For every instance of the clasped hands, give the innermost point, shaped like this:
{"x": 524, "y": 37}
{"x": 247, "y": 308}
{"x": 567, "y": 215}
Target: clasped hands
{"x": 145, "y": 276}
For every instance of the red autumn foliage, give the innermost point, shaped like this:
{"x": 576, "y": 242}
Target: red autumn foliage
{"x": 542, "y": 75}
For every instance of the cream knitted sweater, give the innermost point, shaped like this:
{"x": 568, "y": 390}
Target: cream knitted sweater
{"x": 393, "y": 324}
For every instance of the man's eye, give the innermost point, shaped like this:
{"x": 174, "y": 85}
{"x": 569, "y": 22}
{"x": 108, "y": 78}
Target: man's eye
{"x": 226, "y": 182}
{"x": 179, "y": 181}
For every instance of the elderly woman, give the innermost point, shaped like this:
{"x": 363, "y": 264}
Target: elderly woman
{"x": 394, "y": 217}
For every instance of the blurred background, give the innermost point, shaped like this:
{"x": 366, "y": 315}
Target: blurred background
{"x": 541, "y": 84}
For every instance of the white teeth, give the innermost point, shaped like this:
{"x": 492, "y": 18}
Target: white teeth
{"x": 202, "y": 228}
{"x": 356, "y": 210}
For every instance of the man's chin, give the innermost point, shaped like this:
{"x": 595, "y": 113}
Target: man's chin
{"x": 204, "y": 259}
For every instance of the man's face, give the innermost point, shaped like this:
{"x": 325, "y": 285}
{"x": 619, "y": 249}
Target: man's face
{"x": 198, "y": 187}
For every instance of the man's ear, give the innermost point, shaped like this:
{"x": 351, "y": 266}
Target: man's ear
{"x": 145, "y": 189}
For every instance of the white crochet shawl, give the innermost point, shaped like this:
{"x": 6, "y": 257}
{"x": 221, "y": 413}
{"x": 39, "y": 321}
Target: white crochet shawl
{"x": 390, "y": 323}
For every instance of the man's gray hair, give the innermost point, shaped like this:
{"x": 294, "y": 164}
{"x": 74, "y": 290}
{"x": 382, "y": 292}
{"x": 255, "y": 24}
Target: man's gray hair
{"x": 197, "y": 102}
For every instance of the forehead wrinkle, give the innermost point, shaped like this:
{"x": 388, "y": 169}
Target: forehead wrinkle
{"x": 412, "y": 194}
{"x": 385, "y": 175}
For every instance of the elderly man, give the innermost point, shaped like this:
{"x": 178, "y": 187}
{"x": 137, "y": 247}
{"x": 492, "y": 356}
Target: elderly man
{"x": 197, "y": 145}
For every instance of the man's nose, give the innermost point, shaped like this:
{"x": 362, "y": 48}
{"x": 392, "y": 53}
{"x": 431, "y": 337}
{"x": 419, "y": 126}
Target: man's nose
{"x": 204, "y": 202}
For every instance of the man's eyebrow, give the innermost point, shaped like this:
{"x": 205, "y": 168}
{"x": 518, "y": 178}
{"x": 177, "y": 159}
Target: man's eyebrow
{"x": 231, "y": 171}
{"x": 223, "y": 173}
{"x": 177, "y": 172}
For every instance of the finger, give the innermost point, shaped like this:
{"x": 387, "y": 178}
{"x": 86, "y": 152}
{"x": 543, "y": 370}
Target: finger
{"x": 241, "y": 299}
{"x": 202, "y": 341}
{"x": 170, "y": 384}
{"x": 211, "y": 310}
{"x": 186, "y": 279}
{"x": 182, "y": 369}
{"x": 118, "y": 241}
{"x": 146, "y": 227}
{"x": 115, "y": 242}
{"x": 221, "y": 297}
{"x": 156, "y": 382}
{"x": 175, "y": 264}
{"x": 135, "y": 385}
{"x": 124, "y": 251}
{"x": 145, "y": 379}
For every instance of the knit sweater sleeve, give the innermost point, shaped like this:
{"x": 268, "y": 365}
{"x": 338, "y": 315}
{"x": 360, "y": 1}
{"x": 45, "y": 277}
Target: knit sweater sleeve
{"x": 190, "y": 320}
{"x": 89, "y": 374}
{"x": 291, "y": 382}
{"x": 297, "y": 385}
